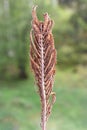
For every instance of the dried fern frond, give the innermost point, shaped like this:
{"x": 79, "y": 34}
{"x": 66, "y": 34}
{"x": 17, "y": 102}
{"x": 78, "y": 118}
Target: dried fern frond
{"x": 43, "y": 60}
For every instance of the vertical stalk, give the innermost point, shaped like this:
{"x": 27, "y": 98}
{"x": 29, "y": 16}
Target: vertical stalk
{"x": 43, "y": 122}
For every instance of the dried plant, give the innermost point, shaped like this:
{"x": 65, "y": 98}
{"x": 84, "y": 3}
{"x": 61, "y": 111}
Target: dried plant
{"x": 43, "y": 60}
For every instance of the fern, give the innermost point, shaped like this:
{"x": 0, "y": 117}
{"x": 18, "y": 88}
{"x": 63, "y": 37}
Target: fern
{"x": 43, "y": 60}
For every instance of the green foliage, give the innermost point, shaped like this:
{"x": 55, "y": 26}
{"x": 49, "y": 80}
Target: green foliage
{"x": 72, "y": 33}
{"x": 13, "y": 32}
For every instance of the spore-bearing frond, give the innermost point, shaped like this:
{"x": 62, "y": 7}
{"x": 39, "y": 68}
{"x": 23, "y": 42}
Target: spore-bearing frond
{"x": 43, "y": 60}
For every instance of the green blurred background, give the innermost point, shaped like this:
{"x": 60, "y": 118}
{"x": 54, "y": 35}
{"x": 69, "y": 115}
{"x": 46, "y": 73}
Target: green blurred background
{"x": 19, "y": 101}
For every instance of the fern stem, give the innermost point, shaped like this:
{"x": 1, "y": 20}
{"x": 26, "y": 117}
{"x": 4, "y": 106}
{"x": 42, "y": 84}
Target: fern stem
{"x": 43, "y": 123}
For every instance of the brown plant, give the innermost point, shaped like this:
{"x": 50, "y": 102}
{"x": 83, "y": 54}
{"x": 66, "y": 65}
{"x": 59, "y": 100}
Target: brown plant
{"x": 43, "y": 60}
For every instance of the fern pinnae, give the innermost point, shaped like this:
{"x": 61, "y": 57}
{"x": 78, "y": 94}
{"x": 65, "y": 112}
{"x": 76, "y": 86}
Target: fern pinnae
{"x": 43, "y": 60}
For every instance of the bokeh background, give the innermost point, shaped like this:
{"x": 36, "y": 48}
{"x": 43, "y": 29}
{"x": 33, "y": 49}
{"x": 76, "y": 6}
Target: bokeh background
{"x": 19, "y": 101}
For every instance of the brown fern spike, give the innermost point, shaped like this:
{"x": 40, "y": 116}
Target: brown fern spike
{"x": 43, "y": 60}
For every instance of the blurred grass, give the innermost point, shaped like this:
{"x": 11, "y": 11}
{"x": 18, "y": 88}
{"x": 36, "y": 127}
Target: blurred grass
{"x": 20, "y": 105}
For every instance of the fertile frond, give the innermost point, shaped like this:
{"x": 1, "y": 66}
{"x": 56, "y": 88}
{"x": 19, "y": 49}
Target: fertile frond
{"x": 43, "y": 60}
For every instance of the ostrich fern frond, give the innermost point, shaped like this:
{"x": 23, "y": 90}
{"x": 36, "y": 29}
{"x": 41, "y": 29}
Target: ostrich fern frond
{"x": 43, "y": 60}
